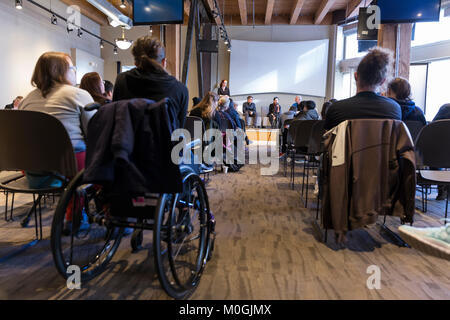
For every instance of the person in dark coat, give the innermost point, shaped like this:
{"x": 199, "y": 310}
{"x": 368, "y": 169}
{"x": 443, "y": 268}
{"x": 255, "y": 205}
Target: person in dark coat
{"x": 274, "y": 112}
{"x": 443, "y": 113}
{"x": 150, "y": 79}
{"x": 14, "y": 104}
{"x": 399, "y": 90}
{"x": 308, "y": 112}
{"x": 370, "y": 76}
{"x": 223, "y": 89}
{"x": 249, "y": 110}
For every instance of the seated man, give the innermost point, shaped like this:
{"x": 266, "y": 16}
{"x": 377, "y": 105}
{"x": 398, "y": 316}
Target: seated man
{"x": 296, "y": 104}
{"x": 274, "y": 113}
{"x": 372, "y": 72}
{"x": 249, "y": 110}
{"x": 308, "y": 111}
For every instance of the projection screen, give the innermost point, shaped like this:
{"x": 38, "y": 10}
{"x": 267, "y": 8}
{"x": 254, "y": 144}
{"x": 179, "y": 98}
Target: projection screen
{"x": 285, "y": 67}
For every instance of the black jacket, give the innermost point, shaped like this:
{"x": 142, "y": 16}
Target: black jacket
{"x": 410, "y": 112}
{"x": 365, "y": 105}
{"x": 272, "y": 109}
{"x": 248, "y": 107}
{"x": 443, "y": 113}
{"x": 154, "y": 86}
{"x": 129, "y": 148}
{"x": 9, "y": 106}
{"x": 223, "y": 92}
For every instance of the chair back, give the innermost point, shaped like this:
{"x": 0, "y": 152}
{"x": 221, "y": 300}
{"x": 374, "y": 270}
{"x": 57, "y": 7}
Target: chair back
{"x": 35, "y": 141}
{"x": 189, "y": 125}
{"x": 314, "y": 143}
{"x": 303, "y": 133}
{"x": 414, "y": 128}
{"x": 433, "y": 145}
{"x": 293, "y": 125}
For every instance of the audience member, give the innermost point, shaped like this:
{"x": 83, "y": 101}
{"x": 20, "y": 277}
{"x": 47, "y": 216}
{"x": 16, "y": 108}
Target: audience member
{"x": 296, "y": 104}
{"x": 372, "y": 73}
{"x": 109, "y": 89}
{"x": 249, "y": 110}
{"x": 274, "y": 112}
{"x": 221, "y": 117}
{"x": 399, "y": 89}
{"x": 150, "y": 79}
{"x": 93, "y": 83}
{"x": 14, "y": 104}
{"x": 55, "y": 78}
{"x": 223, "y": 89}
{"x": 196, "y": 101}
{"x": 325, "y": 107}
{"x": 206, "y": 110}
{"x": 308, "y": 112}
{"x": 287, "y": 115}
{"x": 231, "y": 111}
{"x": 443, "y": 113}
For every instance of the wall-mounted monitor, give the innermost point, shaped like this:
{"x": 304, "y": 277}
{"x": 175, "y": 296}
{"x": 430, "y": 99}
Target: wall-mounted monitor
{"x": 403, "y": 11}
{"x": 148, "y": 12}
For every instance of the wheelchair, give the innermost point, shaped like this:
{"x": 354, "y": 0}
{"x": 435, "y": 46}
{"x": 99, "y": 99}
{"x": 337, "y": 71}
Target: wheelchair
{"x": 182, "y": 225}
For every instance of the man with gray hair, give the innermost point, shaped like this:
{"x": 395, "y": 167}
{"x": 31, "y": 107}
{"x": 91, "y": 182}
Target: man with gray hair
{"x": 296, "y": 104}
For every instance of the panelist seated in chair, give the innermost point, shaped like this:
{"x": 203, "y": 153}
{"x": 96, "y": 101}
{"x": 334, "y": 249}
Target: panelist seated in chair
{"x": 296, "y": 104}
{"x": 54, "y": 77}
{"x": 249, "y": 110}
{"x": 274, "y": 112}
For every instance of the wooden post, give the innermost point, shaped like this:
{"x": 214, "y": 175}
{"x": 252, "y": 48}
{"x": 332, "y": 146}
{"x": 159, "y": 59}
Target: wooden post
{"x": 188, "y": 46}
{"x": 199, "y": 54}
{"x": 397, "y": 38}
{"x": 173, "y": 33}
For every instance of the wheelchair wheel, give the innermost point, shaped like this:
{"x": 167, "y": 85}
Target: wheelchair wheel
{"x": 180, "y": 238}
{"x": 83, "y": 239}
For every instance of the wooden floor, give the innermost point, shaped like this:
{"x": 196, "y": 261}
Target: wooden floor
{"x": 266, "y": 248}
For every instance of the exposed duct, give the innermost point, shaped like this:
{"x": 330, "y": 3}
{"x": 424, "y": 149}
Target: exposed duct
{"x": 115, "y": 17}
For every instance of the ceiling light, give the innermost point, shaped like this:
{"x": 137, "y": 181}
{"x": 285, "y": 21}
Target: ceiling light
{"x": 151, "y": 30}
{"x": 101, "y": 44}
{"x": 115, "y": 50}
{"x": 123, "y": 5}
{"x": 54, "y": 20}
{"x": 79, "y": 33}
{"x": 123, "y": 43}
{"x": 226, "y": 41}
{"x": 19, "y": 4}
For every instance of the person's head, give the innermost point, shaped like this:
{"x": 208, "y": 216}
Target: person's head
{"x": 333, "y": 100}
{"x": 224, "y": 103}
{"x": 399, "y": 89}
{"x": 298, "y": 99}
{"x": 208, "y": 105}
{"x": 309, "y": 105}
{"x": 374, "y": 69}
{"x": 196, "y": 100}
{"x": 93, "y": 83}
{"x": 275, "y": 100}
{"x": 249, "y": 99}
{"x": 223, "y": 83}
{"x": 109, "y": 89}
{"x": 292, "y": 108}
{"x": 17, "y": 101}
{"x": 301, "y": 106}
{"x": 53, "y": 68}
{"x": 149, "y": 55}
{"x": 325, "y": 107}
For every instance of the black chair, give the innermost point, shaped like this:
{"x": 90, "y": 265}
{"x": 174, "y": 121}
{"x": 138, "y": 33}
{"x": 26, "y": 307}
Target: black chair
{"x": 433, "y": 151}
{"x": 41, "y": 145}
{"x": 5, "y": 180}
{"x": 414, "y": 128}
{"x": 289, "y": 144}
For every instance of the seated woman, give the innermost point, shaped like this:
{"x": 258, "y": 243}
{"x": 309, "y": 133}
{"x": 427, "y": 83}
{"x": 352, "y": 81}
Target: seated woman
{"x": 55, "y": 78}
{"x": 399, "y": 90}
{"x": 93, "y": 83}
{"x": 206, "y": 110}
{"x": 223, "y": 89}
{"x": 309, "y": 111}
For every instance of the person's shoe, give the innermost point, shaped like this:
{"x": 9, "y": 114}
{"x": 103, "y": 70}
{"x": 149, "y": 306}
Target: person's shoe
{"x": 205, "y": 168}
{"x": 435, "y": 241}
{"x": 442, "y": 193}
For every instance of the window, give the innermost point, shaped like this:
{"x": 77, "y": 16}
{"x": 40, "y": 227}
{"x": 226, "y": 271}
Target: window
{"x": 430, "y": 32}
{"x": 351, "y": 47}
{"x": 438, "y": 88}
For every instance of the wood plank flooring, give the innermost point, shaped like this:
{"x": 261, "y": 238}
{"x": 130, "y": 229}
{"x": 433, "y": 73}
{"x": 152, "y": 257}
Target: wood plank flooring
{"x": 266, "y": 248}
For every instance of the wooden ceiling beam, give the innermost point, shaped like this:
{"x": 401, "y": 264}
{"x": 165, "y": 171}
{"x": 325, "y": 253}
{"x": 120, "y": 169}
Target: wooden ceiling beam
{"x": 88, "y": 11}
{"x": 354, "y": 5}
{"x": 209, "y": 6}
{"x": 243, "y": 11}
{"x": 187, "y": 7}
{"x": 296, "y": 11}
{"x": 324, "y": 8}
{"x": 269, "y": 11}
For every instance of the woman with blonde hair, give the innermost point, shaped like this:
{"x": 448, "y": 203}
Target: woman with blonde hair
{"x": 206, "y": 110}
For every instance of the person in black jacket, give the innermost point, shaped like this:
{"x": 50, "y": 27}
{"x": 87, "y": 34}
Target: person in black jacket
{"x": 14, "y": 104}
{"x": 399, "y": 89}
{"x": 223, "y": 89}
{"x": 249, "y": 110}
{"x": 371, "y": 74}
{"x": 443, "y": 113}
{"x": 150, "y": 79}
{"x": 274, "y": 112}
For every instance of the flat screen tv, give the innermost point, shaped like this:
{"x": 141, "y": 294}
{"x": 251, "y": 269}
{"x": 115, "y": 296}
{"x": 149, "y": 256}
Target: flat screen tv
{"x": 403, "y": 11}
{"x": 148, "y": 12}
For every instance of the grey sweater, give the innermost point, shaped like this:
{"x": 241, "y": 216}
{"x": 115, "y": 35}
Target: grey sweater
{"x": 66, "y": 103}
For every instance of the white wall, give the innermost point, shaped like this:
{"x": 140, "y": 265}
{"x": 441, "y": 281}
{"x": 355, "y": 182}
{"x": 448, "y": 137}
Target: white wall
{"x": 28, "y": 33}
